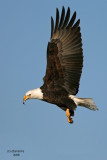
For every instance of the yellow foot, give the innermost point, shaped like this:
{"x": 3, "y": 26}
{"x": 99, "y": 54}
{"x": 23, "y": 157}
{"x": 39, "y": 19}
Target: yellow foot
{"x": 67, "y": 112}
{"x": 70, "y": 120}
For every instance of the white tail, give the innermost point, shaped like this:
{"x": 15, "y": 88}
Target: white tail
{"x": 84, "y": 102}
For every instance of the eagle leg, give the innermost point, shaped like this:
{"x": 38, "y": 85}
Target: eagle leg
{"x": 70, "y": 120}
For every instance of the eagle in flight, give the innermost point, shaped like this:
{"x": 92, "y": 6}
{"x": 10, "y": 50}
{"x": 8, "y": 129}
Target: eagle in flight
{"x": 64, "y": 66}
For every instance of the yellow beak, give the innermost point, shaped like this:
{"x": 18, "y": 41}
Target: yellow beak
{"x": 25, "y": 98}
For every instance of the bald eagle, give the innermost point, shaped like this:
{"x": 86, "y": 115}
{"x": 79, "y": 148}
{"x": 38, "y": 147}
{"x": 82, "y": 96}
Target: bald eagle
{"x": 64, "y": 66}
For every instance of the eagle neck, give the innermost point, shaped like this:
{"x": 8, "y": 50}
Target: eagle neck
{"x": 38, "y": 94}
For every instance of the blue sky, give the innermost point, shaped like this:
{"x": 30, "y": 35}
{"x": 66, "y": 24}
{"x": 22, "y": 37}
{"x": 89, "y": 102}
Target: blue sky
{"x": 39, "y": 128}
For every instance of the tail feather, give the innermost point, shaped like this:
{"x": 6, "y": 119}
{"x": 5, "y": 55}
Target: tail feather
{"x": 84, "y": 102}
{"x": 88, "y": 103}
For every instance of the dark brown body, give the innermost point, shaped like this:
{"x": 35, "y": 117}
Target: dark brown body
{"x": 60, "y": 97}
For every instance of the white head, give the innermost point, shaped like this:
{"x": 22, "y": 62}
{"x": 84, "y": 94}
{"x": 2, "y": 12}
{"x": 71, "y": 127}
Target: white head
{"x": 33, "y": 94}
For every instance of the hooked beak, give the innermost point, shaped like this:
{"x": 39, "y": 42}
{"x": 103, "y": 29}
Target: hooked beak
{"x": 25, "y": 98}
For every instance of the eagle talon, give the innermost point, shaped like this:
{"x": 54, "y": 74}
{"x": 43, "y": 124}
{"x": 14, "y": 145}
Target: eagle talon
{"x": 70, "y": 120}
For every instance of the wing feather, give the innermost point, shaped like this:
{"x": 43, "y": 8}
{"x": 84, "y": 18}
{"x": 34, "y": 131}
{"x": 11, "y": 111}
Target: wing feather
{"x": 66, "y": 18}
{"x": 72, "y": 21}
{"x": 57, "y": 20}
{"x": 52, "y": 26}
{"x": 62, "y": 18}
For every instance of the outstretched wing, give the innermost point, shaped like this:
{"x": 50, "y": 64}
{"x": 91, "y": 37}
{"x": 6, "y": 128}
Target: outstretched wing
{"x": 64, "y": 53}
